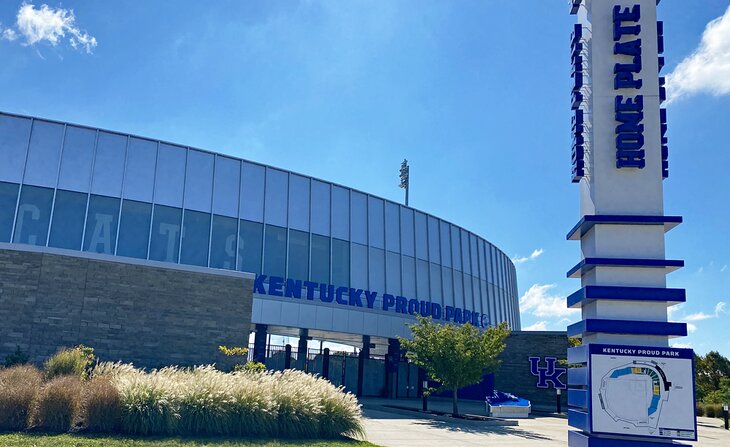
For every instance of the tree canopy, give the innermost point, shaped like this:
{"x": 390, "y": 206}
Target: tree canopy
{"x": 710, "y": 370}
{"x": 455, "y": 356}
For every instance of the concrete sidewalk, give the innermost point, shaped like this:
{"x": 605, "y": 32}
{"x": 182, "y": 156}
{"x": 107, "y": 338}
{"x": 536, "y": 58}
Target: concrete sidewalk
{"x": 396, "y": 428}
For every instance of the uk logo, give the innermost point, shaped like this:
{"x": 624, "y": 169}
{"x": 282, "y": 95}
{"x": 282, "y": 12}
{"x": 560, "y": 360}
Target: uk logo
{"x": 547, "y": 374}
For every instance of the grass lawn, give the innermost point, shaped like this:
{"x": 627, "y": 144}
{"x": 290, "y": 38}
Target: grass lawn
{"x": 42, "y": 440}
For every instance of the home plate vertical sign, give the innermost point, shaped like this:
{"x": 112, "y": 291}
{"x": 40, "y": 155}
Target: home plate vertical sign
{"x": 632, "y": 388}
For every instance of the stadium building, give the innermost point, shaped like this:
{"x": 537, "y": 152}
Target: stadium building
{"x": 137, "y": 246}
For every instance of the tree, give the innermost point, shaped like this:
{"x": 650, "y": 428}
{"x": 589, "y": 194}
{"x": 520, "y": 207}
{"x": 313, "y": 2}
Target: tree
{"x": 709, "y": 370}
{"x": 455, "y": 356}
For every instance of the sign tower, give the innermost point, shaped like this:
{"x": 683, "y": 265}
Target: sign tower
{"x": 632, "y": 389}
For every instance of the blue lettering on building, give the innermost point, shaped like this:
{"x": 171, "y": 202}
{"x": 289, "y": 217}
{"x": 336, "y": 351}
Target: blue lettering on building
{"x": 345, "y": 296}
{"x": 629, "y": 110}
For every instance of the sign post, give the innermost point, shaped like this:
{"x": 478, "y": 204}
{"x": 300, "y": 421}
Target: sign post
{"x": 620, "y": 394}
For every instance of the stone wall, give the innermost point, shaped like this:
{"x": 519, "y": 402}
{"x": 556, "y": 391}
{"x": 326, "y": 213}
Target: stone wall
{"x": 514, "y": 374}
{"x": 148, "y": 313}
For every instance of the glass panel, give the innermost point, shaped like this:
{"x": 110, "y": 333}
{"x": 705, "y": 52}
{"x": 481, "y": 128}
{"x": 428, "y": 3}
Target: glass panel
{"x": 490, "y": 265}
{"x": 78, "y": 152}
{"x": 435, "y": 280}
{"x": 474, "y": 255}
{"x": 67, "y": 222}
{"x": 170, "y": 178}
{"x": 276, "y": 192}
{"x": 199, "y": 181}
{"x": 14, "y": 135}
{"x": 341, "y": 213}
{"x": 298, "y": 255}
{"x": 101, "y": 224}
{"x": 455, "y": 248}
{"x": 465, "y": 256}
{"x": 468, "y": 293}
{"x": 165, "y": 242}
{"x": 139, "y": 179}
{"x": 34, "y": 214}
{"x": 320, "y": 258}
{"x": 111, "y": 150}
{"x": 226, "y": 186}
{"x": 252, "y": 192}
{"x": 458, "y": 289}
{"x": 195, "y": 234}
{"x": 421, "y": 237}
{"x": 359, "y": 270}
{"x": 320, "y": 208}
{"x": 408, "y": 276}
{"x": 482, "y": 264}
{"x": 340, "y": 263}
{"x": 392, "y": 273}
{"x": 358, "y": 218}
{"x": 134, "y": 229}
{"x": 422, "y": 283}
{"x": 392, "y": 227}
{"x": 250, "y": 245}
{"x": 406, "y": 232}
{"x": 493, "y": 317}
{"x": 8, "y": 200}
{"x": 476, "y": 295}
{"x": 376, "y": 234}
{"x": 298, "y": 202}
{"x": 434, "y": 246}
{"x": 484, "y": 298}
{"x": 275, "y": 251}
{"x": 41, "y": 168}
{"x": 376, "y": 264}
{"x": 223, "y": 242}
{"x": 445, "y": 233}
{"x": 447, "y": 282}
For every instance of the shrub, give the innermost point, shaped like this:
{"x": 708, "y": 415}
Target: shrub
{"x": 18, "y": 388}
{"x": 101, "y": 407}
{"x": 75, "y": 361}
{"x": 710, "y": 411}
{"x": 253, "y": 367}
{"x": 699, "y": 409}
{"x": 57, "y": 405}
{"x": 17, "y": 358}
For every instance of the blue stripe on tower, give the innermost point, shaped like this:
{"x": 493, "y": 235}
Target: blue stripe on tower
{"x": 657, "y": 294}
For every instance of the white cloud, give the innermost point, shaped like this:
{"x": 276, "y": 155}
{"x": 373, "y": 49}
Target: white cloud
{"x": 539, "y": 302}
{"x": 539, "y": 326}
{"x": 681, "y": 345}
{"x": 699, "y": 316}
{"x": 522, "y": 259}
{"x": 691, "y": 328}
{"x": 7, "y": 34}
{"x": 724, "y": 267}
{"x": 51, "y": 25}
{"x": 707, "y": 69}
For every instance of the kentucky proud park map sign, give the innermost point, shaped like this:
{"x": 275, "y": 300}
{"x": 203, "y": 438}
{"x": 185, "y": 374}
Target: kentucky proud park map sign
{"x": 642, "y": 391}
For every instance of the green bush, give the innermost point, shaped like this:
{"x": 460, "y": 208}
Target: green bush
{"x": 254, "y": 367}
{"x": 101, "y": 407}
{"x": 57, "y": 405}
{"x": 699, "y": 409}
{"x": 710, "y": 411}
{"x": 17, "y": 358}
{"x": 75, "y": 361}
{"x": 18, "y": 388}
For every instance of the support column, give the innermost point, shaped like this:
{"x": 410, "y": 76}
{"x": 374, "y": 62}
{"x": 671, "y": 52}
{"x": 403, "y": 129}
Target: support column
{"x": 302, "y": 349}
{"x": 364, "y": 355}
{"x": 391, "y": 368}
{"x": 259, "y": 343}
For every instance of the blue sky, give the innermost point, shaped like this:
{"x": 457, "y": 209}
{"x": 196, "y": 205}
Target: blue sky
{"x": 475, "y": 94}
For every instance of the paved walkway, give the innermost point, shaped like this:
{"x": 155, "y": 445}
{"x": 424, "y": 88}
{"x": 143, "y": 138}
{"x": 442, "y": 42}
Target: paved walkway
{"x": 394, "y": 428}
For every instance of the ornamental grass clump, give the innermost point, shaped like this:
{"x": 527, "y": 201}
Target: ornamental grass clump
{"x": 74, "y": 361}
{"x": 204, "y": 401}
{"x": 57, "y": 405}
{"x": 18, "y": 388}
{"x": 101, "y": 406}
